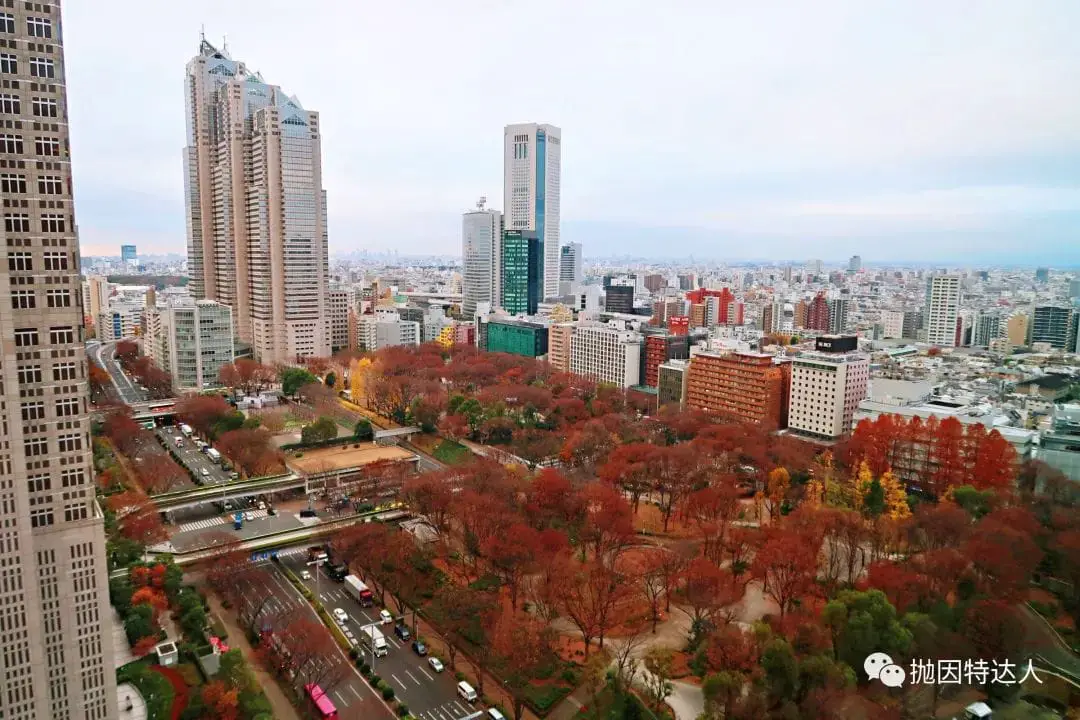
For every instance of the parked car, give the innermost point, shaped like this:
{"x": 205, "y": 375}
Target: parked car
{"x": 249, "y": 516}
{"x": 341, "y": 615}
{"x": 493, "y": 714}
{"x": 402, "y": 632}
{"x": 419, "y": 648}
{"x": 465, "y": 690}
{"x": 385, "y": 618}
{"x": 435, "y": 663}
{"x": 204, "y": 472}
{"x": 305, "y": 575}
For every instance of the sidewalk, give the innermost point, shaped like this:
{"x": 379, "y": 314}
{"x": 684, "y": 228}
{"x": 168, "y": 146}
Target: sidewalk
{"x": 283, "y": 709}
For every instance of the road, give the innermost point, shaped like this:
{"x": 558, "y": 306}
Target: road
{"x": 429, "y": 695}
{"x": 353, "y": 697}
{"x": 191, "y": 457}
{"x": 104, "y": 354}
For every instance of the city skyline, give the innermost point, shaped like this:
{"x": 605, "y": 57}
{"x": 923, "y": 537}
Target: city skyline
{"x": 737, "y": 150}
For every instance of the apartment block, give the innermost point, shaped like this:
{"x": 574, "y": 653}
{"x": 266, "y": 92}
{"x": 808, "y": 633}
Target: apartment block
{"x": 827, "y": 385}
{"x": 745, "y": 386}
{"x": 942, "y": 309}
{"x": 257, "y": 236}
{"x": 1018, "y": 329}
{"x": 119, "y": 322}
{"x": 1054, "y": 325}
{"x": 56, "y": 641}
{"x": 659, "y": 348}
{"x": 191, "y": 341}
{"x": 559, "y": 346}
{"x": 892, "y": 322}
{"x": 607, "y": 353}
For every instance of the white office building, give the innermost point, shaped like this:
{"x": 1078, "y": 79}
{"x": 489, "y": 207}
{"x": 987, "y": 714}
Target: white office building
{"x": 386, "y": 328}
{"x": 532, "y": 159}
{"x": 826, "y": 389}
{"x": 481, "y": 243}
{"x": 608, "y": 353}
{"x": 571, "y": 268}
{"x": 191, "y": 341}
{"x": 121, "y": 320}
{"x": 942, "y": 309}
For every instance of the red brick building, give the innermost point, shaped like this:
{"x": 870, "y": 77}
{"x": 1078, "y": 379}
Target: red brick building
{"x": 817, "y": 313}
{"x": 747, "y": 386}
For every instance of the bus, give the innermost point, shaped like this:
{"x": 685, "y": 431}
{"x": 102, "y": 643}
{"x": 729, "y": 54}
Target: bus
{"x": 213, "y": 455}
{"x": 322, "y": 703}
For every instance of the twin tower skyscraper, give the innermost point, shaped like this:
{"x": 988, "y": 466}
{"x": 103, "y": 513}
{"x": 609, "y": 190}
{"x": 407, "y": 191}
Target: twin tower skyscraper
{"x": 512, "y": 258}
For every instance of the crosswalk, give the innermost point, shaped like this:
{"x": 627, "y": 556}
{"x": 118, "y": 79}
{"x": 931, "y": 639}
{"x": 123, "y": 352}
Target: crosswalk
{"x": 215, "y": 521}
{"x": 453, "y": 710}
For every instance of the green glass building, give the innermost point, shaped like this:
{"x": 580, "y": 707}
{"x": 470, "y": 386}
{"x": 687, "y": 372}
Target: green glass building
{"x": 517, "y": 337}
{"x": 520, "y": 272}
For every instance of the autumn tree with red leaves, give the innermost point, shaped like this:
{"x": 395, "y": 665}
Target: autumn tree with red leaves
{"x": 706, "y": 593}
{"x": 202, "y": 411}
{"x": 250, "y": 450}
{"x": 511, "y": 555}
{"x": 592, "y": 595}
{"x": 786, "y": 565}
{"x": 521, "y": 652}
{"x": 247, "y": 375}
{"x": 221, "y": 701}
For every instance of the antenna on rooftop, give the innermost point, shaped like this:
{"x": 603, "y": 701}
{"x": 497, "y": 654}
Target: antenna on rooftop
{"x": 481, "y": 202}
{"x": 202, "y": 32}
{"x": 225, "y": 43}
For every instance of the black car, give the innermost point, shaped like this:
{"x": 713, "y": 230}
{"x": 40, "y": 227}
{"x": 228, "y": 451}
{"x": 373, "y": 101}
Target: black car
{"x": 419, "y": 648}
{"x": 402, "y": 632}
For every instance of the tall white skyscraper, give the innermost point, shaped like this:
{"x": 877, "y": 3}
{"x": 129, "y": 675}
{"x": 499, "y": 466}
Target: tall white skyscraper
{"x": 56, "y": 642}
{"x": 532, "y": 169}
{"x": 256, "y": 207}
{"x": 481, "y": 240}
{"x": 942, "y": 309}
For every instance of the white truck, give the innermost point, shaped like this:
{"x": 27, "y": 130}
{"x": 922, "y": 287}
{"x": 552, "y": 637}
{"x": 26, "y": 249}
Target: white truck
{"x": 358, "y": 591}
{"x": 374, "y": 640}
{"x": 186, "y": 429}
{"x": 213, "y": 455}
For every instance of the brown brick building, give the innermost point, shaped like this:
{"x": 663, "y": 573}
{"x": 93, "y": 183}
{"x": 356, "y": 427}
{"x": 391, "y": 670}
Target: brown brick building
{"x": 747, "y": 386}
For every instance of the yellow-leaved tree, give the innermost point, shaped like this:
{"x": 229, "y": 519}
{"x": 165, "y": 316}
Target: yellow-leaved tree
{"x": 776, "y": 489}
{"x": 896, "y": 503}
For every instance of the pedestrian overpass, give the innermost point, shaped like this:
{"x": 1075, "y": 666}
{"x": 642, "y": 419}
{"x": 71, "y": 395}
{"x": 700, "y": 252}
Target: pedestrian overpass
{"x": 192, "y": 497}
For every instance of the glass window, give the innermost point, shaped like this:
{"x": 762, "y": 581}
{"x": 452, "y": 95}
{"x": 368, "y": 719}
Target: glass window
{"x": 9, "y": 64}
{"x": 12, "y": 183}
{"x": 9, "y": 104}
{"x": 39, "y": 27}
{"x": 7, "y": 23}
{"x": 42, "y": 67}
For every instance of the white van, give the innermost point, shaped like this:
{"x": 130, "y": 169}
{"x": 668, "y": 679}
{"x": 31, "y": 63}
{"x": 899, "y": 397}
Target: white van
{"x": 465, "y": 690}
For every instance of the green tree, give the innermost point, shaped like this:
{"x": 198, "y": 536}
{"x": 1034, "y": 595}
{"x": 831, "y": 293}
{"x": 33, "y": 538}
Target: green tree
{"x": 975, "y": 502}
{"x": 292, "y": 379}
{"x": 363, "y": 430}
{"x": 864, "y": 622}
{"x": 874, "y": 500}
{"x": 139, "y": 623}
{"x": 321, "y": 430}
{"x": 232, "y": 421}
{"x": 330, "y": 379}
{"x": 781, "y": 670}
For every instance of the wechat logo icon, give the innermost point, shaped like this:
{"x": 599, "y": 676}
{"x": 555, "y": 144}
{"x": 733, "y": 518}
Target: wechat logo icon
{"x": 879, "y": 666}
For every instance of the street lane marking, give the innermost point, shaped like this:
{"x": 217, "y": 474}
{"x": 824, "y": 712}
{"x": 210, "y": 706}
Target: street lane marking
{"x": 398, "y": 680}
{"x": 356, "y": 693}
{"x": 339, "y": 698}
{"x": 413, "y": 677}
{"x": 459, "y": 707}
{"x": 425, "y": 673}
{"x": 449, "y": 715}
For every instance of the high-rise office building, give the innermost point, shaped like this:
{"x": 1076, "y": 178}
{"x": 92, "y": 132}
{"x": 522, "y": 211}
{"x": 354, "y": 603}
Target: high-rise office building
{"x": 571, "y": 269}
{"x": 1074, "y": 288}
{"x": 521, "y": 278}
{"x": 619, "y": 299}
{"x": 481, "y": 256}
{"x": 129, "y": 254}
{"x": 532, "y": 162}
{"x": 942, "y": 309}
{"x": 988, "y": 326}
{"x": 1042, "y": 275}
{"x": 191, "y": 341}
{"x": 854, "y": 264}
{"x": 56, "y": 643}
{"x": 1054, "y": 325}
{"x": 838, "y": 313}
{"x": 339, "y": 301}
{"x": 256, "y": 207}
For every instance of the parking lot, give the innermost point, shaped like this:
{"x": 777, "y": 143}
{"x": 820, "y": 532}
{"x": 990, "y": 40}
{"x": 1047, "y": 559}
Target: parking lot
{"x": 429, "y": 694}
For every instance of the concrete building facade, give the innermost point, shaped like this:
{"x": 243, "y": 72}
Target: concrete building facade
{"x": 671, "y": 387}
{"x": 256, "y": 208}
{"x": 826, "y": 389}
{"x": 606, "y": 353}
{"x": 56, "y": 644}
{"x": 338, "y": 302}
{"x": 191, "y": 341}
{"x": 532, "y": 176}
{"x": 559, "y": 336}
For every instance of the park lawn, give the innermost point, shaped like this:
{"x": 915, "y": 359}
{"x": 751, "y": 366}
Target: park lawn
{"x": 451, "y": 453}
{"x": 152, "y": 685}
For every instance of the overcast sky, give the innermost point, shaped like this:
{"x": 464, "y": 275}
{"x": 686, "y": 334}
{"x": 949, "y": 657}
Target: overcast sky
{"x": 929, "y": 130}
